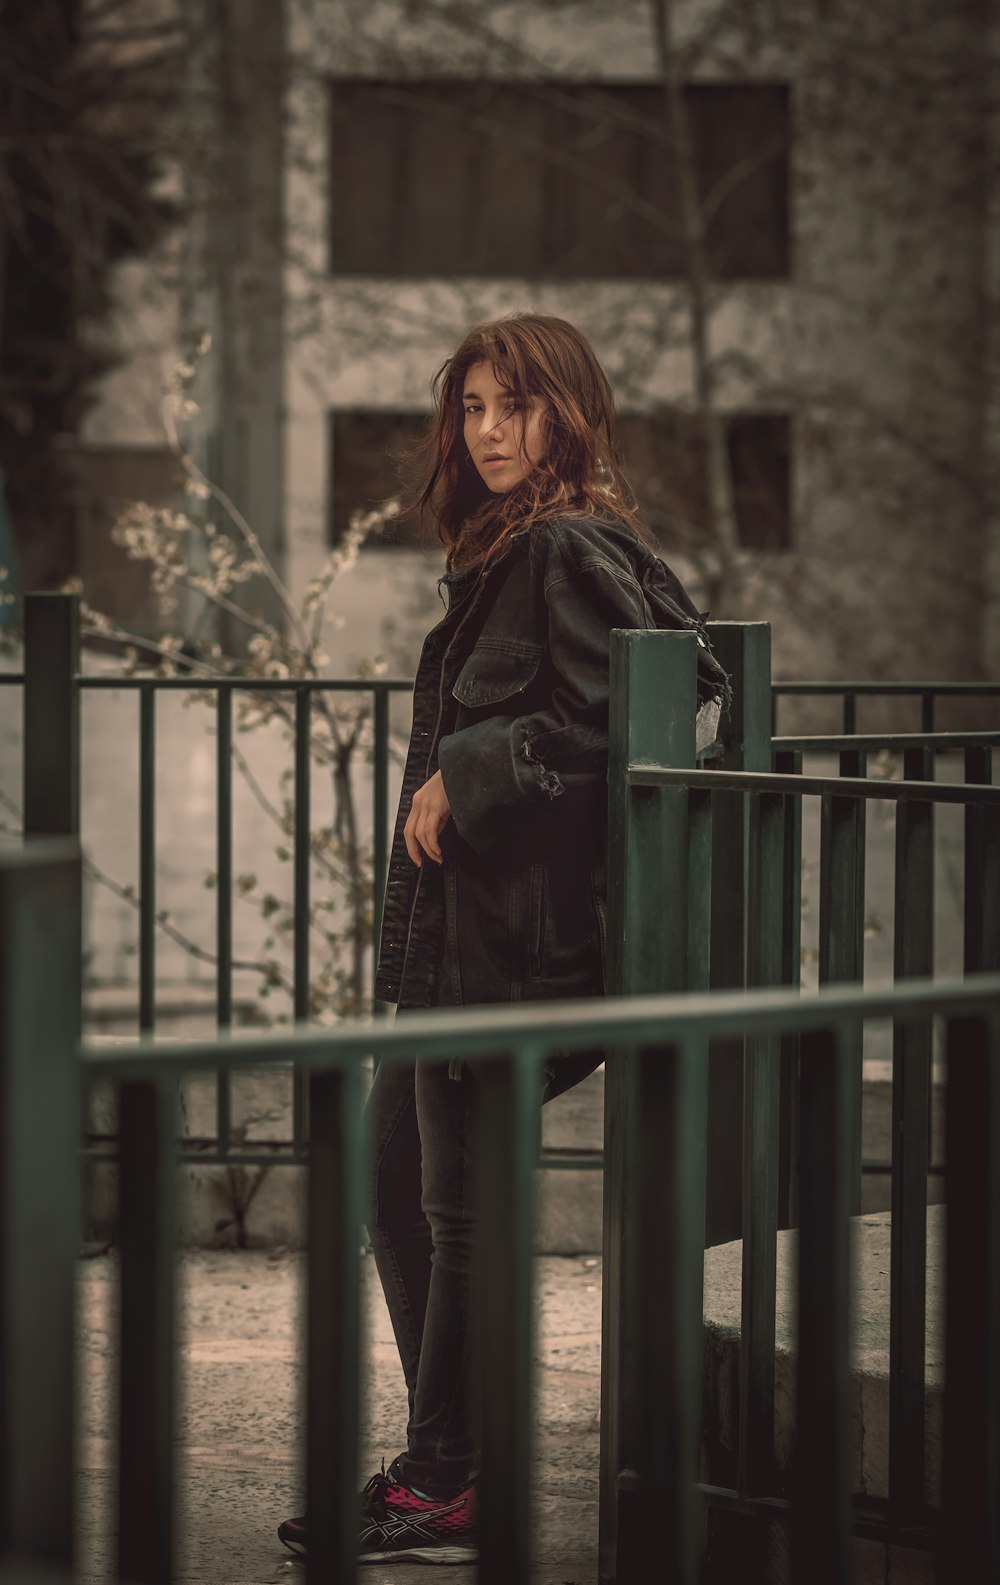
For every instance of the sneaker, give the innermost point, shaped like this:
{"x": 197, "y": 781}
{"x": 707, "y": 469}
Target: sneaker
{"x": 400, "y": 1524}
{"x": 293, "y": 1532}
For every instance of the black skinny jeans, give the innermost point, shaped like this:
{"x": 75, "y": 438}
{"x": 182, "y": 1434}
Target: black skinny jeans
{"x": 422, "y": 1226}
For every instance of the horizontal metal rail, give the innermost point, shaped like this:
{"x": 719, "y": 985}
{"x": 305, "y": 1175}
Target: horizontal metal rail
{"x": 837, "y": 786}
{"x": 286, "y": 1153}
{"x": 892, "y": 742}
{"x": 257, "y": 684}
{"x": 849, "y": 692}
{"x": 478, "y": 1032}
{"x": 819, "y": 689}
{"x": 893, "y": 689}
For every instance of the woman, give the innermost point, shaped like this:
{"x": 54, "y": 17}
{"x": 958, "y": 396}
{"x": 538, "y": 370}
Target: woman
{"x": 497, "y": 875}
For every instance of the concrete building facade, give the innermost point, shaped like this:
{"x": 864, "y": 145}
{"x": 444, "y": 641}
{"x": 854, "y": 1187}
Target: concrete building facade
{"x": 363, "y": 167}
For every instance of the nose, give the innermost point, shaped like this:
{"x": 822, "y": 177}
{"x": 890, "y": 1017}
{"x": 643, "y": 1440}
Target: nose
{"x": 490, "y": 426}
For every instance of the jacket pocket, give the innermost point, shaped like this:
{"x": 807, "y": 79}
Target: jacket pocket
{"x": 538, "y": 908}
{"x": 496, "y": 671}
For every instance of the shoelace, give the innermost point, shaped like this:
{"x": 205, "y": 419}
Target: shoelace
{"x": 375, "y": 1492}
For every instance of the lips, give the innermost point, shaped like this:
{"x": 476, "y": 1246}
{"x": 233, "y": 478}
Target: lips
{"x": 495, "y": 456}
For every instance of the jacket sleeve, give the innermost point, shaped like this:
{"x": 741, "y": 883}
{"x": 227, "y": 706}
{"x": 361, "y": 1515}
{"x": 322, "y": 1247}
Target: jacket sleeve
{"x": 505, "y": 762}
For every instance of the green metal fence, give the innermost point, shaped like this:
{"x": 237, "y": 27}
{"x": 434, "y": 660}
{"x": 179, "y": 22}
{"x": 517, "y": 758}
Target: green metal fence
{"x": 703, "y": 897}
{"x": 661, "y": 1043}
{"x": 704, "y": 892}
{"x": 929, "y": 695}
{"x": 52, "y": 692}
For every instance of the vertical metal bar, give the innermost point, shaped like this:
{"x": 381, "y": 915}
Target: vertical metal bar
{"x": 303, "y": 769}
{"x": 789, "y": 763}
{"x": 841, "y": 931}
{"x": 699, "y": 891}
{"x": 760, "y": 1156}
{"x": 766, "y": 876}
{"x": 223, "y": 898}
{"x": 39, "y": 1196}
{"x": 744, "y": 648}
{"x": 927, "y": 702}
{"x": 51, "y": 768}
{"x": 669, "y": 1214}
{"x": 982, "y": 871}
{"x": 146, "y": 1397}
{"x": 652, "y": 721}
{"x": 850, "y": 712}
{"x": 854, "y": 763}
{"x": 380, "y": 814}
{"x": 820, "y": 1512}
{"x": 508, "y": 1097}
{"x": 300, "y": 903}
{"x": 911, "y": 1088}
{"x": 224, "y": 855}
{"x": 971, "y": 1521}
{"x": 147, "y": 856}
{"x": 337, "y": 1152}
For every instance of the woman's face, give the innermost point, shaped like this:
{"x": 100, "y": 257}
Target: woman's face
{"x": 505, "y": 439}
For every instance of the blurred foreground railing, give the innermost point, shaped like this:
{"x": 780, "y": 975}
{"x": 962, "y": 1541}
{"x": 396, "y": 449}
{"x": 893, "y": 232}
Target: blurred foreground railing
{"x": 665, "y": 1039}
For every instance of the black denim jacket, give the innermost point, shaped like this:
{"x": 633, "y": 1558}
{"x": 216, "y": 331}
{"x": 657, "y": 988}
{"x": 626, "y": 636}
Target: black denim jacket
{"x": 511, "y": 703}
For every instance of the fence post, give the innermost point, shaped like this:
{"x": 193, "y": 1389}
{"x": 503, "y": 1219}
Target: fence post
{"x": 653, "y": 693}
{"x": 51, "y": 715}
{"x": 982, "y": 871}
{"x": 789, "y": 763}
{"x": 39, "y": 1198}
{"x": 147, "y": 1221}
{"x": 744, "y": 649}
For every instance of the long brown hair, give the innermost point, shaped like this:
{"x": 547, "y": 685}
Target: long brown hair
{"x": 581, "y": 471}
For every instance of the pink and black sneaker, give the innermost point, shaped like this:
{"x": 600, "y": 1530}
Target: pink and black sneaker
{"x": 295, "y": 1532}
{"x": 402, "y": 1524}
{"x": 399, "y": 1523}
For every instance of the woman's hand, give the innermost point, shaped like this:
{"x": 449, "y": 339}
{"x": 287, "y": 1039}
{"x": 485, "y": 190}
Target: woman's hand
{"x": 429, "y": 813}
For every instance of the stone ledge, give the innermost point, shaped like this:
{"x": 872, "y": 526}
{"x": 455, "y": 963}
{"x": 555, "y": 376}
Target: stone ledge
{"x": 869, "y": 1449}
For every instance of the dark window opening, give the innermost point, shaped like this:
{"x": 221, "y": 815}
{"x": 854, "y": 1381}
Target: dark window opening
{"x": 565, "y": 181}
{"x": 665, "y": 459}
{"x": 666, "y": 462}
{"x": 367, "y": 453}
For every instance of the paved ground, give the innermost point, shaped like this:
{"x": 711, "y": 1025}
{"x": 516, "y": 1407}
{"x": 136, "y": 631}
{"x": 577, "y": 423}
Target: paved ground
{"x": 239, "y": 1422}
{"x": 240, "y": 1427}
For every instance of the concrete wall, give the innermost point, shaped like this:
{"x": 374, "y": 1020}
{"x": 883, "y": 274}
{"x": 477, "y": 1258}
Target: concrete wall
{"x": 879, "y": 345}
{"x": 874, "y": 345}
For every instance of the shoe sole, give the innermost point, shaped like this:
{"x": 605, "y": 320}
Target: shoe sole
{"x": 447, "y": 1554}
{"x": 423, "y": 1554}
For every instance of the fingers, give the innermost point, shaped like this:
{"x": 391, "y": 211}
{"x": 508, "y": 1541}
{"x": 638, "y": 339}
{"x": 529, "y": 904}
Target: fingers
{"x": 427, "y": 835}
{"x": 424, "y": 835}
{"x": 412, "y": 846}
{"x": 428, "y": 816}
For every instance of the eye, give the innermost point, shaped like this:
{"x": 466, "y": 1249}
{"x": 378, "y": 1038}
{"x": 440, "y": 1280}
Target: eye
{"x": 474, "y": 408}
